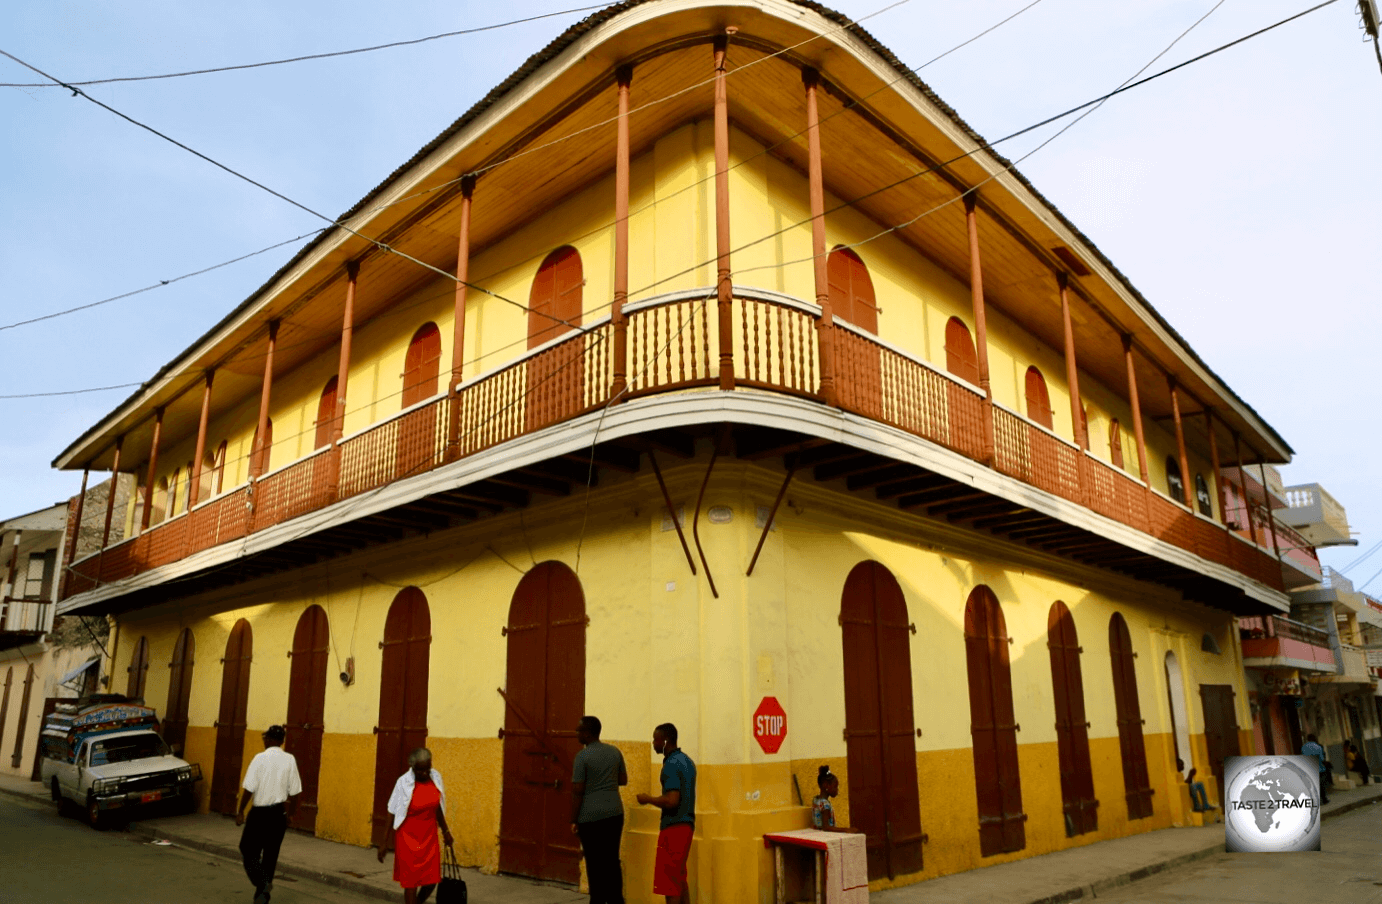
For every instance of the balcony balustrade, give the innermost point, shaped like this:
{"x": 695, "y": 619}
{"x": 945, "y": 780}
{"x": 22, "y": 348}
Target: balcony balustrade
{"x": 674, "y": 344}
{"x": 1275, "y": 640}
{"x": 25, "y": 616}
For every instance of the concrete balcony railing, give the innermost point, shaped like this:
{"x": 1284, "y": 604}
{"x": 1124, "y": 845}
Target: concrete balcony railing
{"x": 1316, "y": 514}
{"x": 1277, "y": 641}
{"x": 25, "y": 616}
{"x": 674, "y": 343}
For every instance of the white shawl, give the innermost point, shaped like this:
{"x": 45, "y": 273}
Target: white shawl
{"x": 403, "y": 795}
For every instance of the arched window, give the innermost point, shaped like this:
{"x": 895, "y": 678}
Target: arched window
{"x": 173, "y": 484}
{"x": 1202, "y": 496}
{"x": 1115, "y": 443}
{"x": 1175, "y": 484}
{"x": 554, "y": 304}
{"x": 1038, "y": 399}
{"x": 326, "y": 413}
{"x": 160, "y": 506}
{"x": 851, "y": 290}
{"x": 960, "y": 358}
{"x": 261, "y": 453}
{"x": 420, "y": 366}
{"x": 187, "y": 489}
{"x": 138, "y": 669}
{"x": 218, "y": 469}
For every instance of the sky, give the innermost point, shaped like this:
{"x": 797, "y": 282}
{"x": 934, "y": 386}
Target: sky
{"x": 1240, "y": 195}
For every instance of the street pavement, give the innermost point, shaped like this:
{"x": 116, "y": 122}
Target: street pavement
{"x": 1348, "y": 869}
{"x": 47, "y": 857}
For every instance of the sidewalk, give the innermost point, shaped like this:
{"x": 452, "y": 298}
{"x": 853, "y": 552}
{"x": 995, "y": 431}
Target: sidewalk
{"x": 1051, "y": 878}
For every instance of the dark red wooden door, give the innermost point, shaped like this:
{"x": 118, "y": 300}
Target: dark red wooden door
{"x": 5, "y": 701}
{"x": 1137, "y": 787}
{"x": 880, "y": 731}
{"x": 544, "y": 701}
{"x": 326, "y": 414}
{"x": 1038, "y": 399}
{"x": 852, "y": 300}
{"x": 1220, "y": 728}
{"x": 179, "y": 691}
{"x": 138, "y": 669}
{"x": 997, "y": 780}
{"x": 230, "y": 722}
{"x": 1072, "y": 732}
{"x": 417, "y": 431}
{"x": 404, "y": 674}
{"x": 556, "y": 377}
{"x": 306, "y": 705}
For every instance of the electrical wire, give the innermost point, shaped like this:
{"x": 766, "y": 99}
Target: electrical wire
{"x": 1362, "y": 558}
{"x": 68, "y": 392}
{"x": 314, "y": 56}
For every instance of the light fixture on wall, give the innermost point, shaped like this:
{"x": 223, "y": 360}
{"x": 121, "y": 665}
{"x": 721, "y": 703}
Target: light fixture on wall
{"x": 1209, "y": 645}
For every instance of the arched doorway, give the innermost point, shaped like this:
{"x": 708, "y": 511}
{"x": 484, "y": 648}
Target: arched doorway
{"x": 306, "y": 704}
{"x": 544, "y": 700}
{"x": 1180, "y": 721}
{"x": 138, "y": 669}
{"x": 417, "y": 430}
{"x": 852, "y": 300}
{"x": 403, "y": 678}
{"x": 1038, "y": 399}
{"x": 179, "y": 691}
{"x": 1136, "y": 786}
{"x": 880, "y": 731}
{"x": 1072, "y": 734}
{"x": 230, "y": 722}
{"x": 997, "y": 780}
{"x": 326, "y": 414}
{"x": 556, "y": 378}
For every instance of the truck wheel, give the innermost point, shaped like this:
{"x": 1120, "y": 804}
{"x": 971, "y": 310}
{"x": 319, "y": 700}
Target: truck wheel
{"x": 93, "y": 815}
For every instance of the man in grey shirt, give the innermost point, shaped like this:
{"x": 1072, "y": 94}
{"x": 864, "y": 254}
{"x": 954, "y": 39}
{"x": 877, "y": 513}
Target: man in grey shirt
{"x": 597, "y": 811}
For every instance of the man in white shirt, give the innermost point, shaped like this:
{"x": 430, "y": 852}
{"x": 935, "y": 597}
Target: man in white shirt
{"x": 273, "y": 783}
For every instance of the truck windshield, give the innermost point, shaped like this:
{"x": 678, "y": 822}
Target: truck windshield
{"x": 121, "y": 750}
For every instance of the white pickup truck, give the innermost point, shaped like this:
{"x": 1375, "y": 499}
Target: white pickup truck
{"x": 106, "y": 756}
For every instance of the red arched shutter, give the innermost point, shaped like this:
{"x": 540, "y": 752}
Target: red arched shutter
{"x": 326, "y": 414}
{"x": 1038, "y": 399}
{"x": 880, "y": 729}
{"x": 1072, "y": 734}
{"x": 179, "y": 690}
{"x": 138, "y": 669}
{"x": 1115, "y": 443}
{"x": 993, "y": 728}
{"x": 421, "y": 365}
{"x": 404, "y": 673}
{"x": 305, "y": 722}
{"x": 851, "y": 290}
{"x": 1136, "y": 785}
{"x": 960, "y": 357}
{"x": 556, "y": 377}
{"x": 230, "y": 721}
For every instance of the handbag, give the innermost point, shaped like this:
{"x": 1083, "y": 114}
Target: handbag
{"x": 452, "y": 888}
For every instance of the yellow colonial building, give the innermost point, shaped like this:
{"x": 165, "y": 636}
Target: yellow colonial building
{"x": 710, "y": 359}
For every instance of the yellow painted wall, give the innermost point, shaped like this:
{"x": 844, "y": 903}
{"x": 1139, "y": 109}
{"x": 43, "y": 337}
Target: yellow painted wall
{"x": 662, "y": 647}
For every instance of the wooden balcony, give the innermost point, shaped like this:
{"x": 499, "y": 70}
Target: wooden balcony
{"x": 24, "y": 620}
{"x": 674, "y": 345}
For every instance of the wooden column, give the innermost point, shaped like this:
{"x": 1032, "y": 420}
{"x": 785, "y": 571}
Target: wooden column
{"x": 14, "y": 565}
{"x": 195, "y": 490}
{"x": 1270, "y": 523}
{"x": 1136, "y": 410}
{"x": 259, "y": 454}
{"x": 1180, "y": 444}
{"x": 343, "y": 366}
{"x": 1072, "y": 372}
{"x": 981, "y": 333}
{"x": 153, "y": 469}
{"x": 1214, "y": 463}
{"x": 825, "y": 326}
{"x": 110, "y": 497}
{"x": 1243, "y": 487}
{"x": 724, "y": 288}
{"x": 69, "y": 553}
{"x": 618, "y": 322}
{"x": 453, "y": 419}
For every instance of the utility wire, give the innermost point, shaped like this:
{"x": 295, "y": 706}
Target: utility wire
{"x": 1362, "y": 558}
{"x": 67, "y": 392}
{"x": 312, "y": 56}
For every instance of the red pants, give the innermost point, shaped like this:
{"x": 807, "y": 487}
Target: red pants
{"x": 673, "y": 848}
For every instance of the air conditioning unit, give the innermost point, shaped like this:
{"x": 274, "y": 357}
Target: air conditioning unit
{"x": 1371, "y": 18}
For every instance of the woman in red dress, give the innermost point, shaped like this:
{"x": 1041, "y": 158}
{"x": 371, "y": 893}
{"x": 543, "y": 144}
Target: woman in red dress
{"x": 418, "y": 807}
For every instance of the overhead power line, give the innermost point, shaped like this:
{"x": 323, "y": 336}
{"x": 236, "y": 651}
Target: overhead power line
{"x": 312, "y": 56}
{"x": 40, "y": 395}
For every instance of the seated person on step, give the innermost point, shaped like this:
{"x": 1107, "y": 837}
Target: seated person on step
{"x": 1199, "y": 801}
{"x": 822, "y": 813}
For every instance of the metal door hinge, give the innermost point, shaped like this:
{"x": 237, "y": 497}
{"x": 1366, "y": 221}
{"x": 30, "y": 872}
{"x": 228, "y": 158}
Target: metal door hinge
{"x": 912, "y": 627}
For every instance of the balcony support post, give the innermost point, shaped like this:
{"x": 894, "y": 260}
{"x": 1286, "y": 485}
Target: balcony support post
{"x": 1180, "y": 444}
{"x": 333, "y": 477}
{"x": 981, "y": 335}
{"x": 69, "y": 552}
{"x": 453, "y": 419}
{"x": 109, "y": 507}
{"x": 1136, "y": 410}
{"x": 724, "y": 287}
{"x": 619, "y": 324}
{"x": 1214, "y": 463}
{"x": 194, "y": 492}
{"x": 1243, "y": 487}
{"x": 1072, "y": 372}
{"x": 1270, "y": 524}
{"x": 152, "y": 472}
{"x": 14, "y": 568}
{"x": 825, "y": 326}
{"x": 259, "y": 455}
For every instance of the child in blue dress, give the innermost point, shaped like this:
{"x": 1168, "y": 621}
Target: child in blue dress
{"x": 822, "y": 812}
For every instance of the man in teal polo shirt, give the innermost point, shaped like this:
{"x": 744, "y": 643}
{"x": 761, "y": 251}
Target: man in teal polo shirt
{"x": 678, "y": 824}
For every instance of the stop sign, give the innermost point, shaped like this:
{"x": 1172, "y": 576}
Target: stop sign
{"x": 769, "y": 725}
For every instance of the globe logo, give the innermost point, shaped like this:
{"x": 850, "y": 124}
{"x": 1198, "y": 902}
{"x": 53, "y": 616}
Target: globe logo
{"x": 1272, "y": 803}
